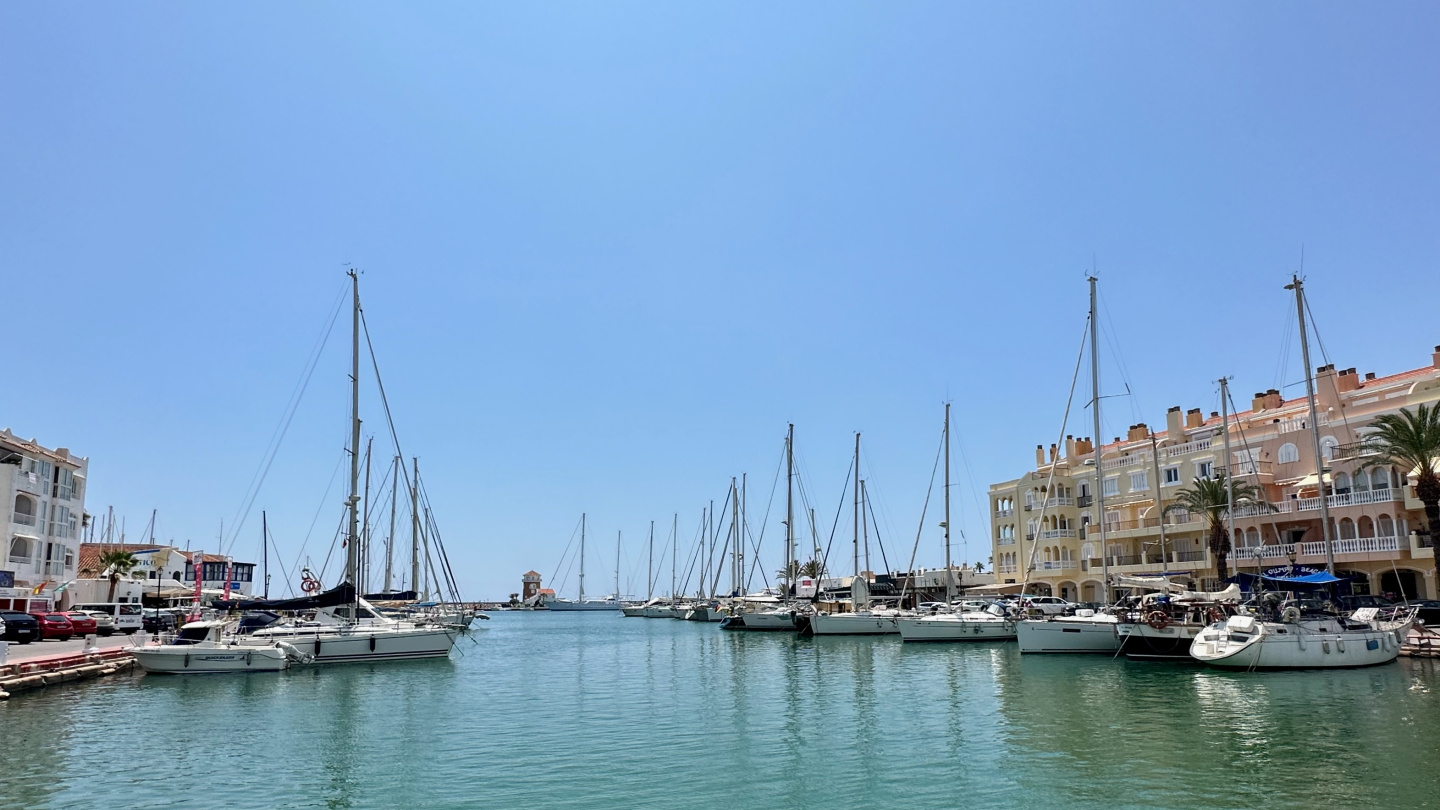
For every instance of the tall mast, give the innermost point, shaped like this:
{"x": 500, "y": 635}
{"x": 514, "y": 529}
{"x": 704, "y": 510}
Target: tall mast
{"x": 1099, "y": 441}
{"x": 855, "y": 503}
{"x": 744, "y": 496}
{"x": 352, "y": 548}
{"x": 617, "y": 566}
{"x": 650, "y": 567}
{"x": 865, "y": 515}
{"x": 1159, "y": 493}
{"x": 390, "y": 538}
{"x": 582, "y": 557}
{"x": 265, "y": 552}
{"x": 1229, "y": 460}
{"x": 789, "y": 509}
{"x": 364, "y": 568}
{"x": 415, "y": 527}
{"x": 1298, "y": 286}
{"x": 735, "y": 530}
{"x": 674, "y": 548}
{"x": 710, "y": 550}
{"x": 949, "y": 578}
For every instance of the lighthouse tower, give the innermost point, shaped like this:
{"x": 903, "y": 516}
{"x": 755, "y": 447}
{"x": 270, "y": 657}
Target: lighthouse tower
{"x": 529, "y": 585}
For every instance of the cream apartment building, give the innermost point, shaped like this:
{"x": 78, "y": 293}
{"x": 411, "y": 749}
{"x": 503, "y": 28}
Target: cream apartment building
{"x": 1046, "y": 519}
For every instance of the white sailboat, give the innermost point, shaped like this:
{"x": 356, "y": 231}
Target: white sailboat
{"x": 581, "y": 603}
{"x": 203, "y": 648}
{"x": 775, "y": 614}
{"x": 346, "y": 627}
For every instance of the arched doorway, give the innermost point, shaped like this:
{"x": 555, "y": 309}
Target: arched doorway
{"x": 1404, "y": 583}
{"x": 1359, "y": 584}
{"x": 1069, "y": 592}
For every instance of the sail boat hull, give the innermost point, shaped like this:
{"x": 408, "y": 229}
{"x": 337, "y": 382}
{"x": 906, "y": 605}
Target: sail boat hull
{"x": 1242, "y": 642}
{"x": 588, "y": 604}
{"x": 956, "y": 628}
{"x": 1067, "y": 634}
{"x": 852, "y": 624}
{"x": 360, "y": 643}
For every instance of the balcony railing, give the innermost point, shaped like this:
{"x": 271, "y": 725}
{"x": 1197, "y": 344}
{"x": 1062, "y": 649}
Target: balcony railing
{"x": 1387, "y": 495}
{"x": 1006, "y": 568}
{"x": 22, "y": 519}
{"x": 1004, "y": 513}
{"x": 1243, "y": 468}
{"x": 1084, "y": 501}
{"x": 1029, "y": 535}
{"x": 1352, "y": 450}
{"x": 1361, "y": 545}
{"x": 1188, "y": 556}
{"x": 1056, "y": 534}
{"x": 1057, "y": 565}
{"x": 1125, "y": 461}
{"x": 1189, "y": 447}
{"x": 1005, "y": 541}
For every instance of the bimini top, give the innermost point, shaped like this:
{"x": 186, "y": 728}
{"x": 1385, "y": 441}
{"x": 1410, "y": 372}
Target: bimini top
{"x": 1317, "y": 578}
{"x": 342, "y": 594}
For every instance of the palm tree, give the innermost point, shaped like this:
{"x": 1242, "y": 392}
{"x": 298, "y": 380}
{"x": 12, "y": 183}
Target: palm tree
{"x": 1411, "y": 441}
{"x": 118, "y": 564}
{"x": 797, "y": 570}
{"x": 1207, "y": 496}
{"x": 979, "y": 567}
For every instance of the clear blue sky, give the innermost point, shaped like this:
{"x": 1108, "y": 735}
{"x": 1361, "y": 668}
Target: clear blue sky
{"x": 610, "y": 250}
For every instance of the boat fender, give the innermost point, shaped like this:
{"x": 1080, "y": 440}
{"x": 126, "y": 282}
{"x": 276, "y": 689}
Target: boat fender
{"x": 247, "y": 658}
{"x": 1158, "y": 620}
{"x": 317, "y": 646}
{"x": 1340, "y": 644}
{"x": 372, "y": 643}
{"x": 187, "y": 660}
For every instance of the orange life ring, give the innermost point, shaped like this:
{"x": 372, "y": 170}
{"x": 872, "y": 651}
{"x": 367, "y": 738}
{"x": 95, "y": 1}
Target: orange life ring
{"x": 1158, "y": 620}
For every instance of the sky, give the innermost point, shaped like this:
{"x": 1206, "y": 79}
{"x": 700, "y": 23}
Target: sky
{"x": 610, "y": 251}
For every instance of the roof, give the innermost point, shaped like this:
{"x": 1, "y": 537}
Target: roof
{"x": 30, "y": 446}
{"x": 531, "y": 574}
{"x": 90, "y": 553}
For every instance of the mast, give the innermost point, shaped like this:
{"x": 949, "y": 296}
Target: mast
{"x": 1159, "y": 494}
{"x": 352, "y": 547}
{"x": 1298, "y": 286}
{"x": 582, "y": 557}
{"x": 390, "y": 538}
{"x": 949, "y": 577}
{"x": 650, "y": 567}
{"x": 744, "y": 497}
{"x": 855, "y": 502}
{"x": 1099, "y": 441}
{"x": 415, "y": 527}
{"x": 865, "y": 515}
{"x": 365, "y": 526}
{"x": 1229, "y": 460}
{"x": 265, "y": 552}
{"x": 674, "y": 548}
{"x": 617, "y": 566}
{"x": 789, "y": 510}
{"x": 710, "y": 548}
{"x": 735, "y": 530}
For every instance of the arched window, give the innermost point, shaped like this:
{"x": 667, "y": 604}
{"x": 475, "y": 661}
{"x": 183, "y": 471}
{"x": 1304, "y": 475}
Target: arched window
{"x": 24, "y": 510}
{"x": 1047, "y": 554}
{"x": 1347, "y": 529}
{"x": 1327, "y": 447}
{"x": 1342, "y": 483}
{"x": 1289, "y": 453}
{"x": 1362, "y": 481}
{"x": 1385, "y": 527}
{"x": 1366, "y": 526}
{"x": 19, "y": 550}
{"x": 1380, "y": 478}
{"x": 1087, "y": 551}
{"x": 1252, "y": 538}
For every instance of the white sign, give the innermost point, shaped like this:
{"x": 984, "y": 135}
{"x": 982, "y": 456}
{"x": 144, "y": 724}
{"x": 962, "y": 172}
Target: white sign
{"x": 805, "y": 587}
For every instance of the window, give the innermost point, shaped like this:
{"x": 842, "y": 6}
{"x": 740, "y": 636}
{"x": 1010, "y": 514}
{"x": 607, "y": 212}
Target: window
{"x": 1139, "y": 481}
{"x": 19, "y": 550}
{"x": 1288, "y": 454}
{"x": 1204, "y": 469}
{"x": 1342, "y": 483}
{"x": 24, "y": 510}
{"x": 1385, "y": 526}
{"x": 1362, "y": 481}
{"x": 62, "y": 523}
{"x": 1172, "y": 475}
{"x": 1380, "y": 478}
{"x": 1112, "y": 485}
{"x": 1327, "y": 447}
{"x": 65, "y": 485}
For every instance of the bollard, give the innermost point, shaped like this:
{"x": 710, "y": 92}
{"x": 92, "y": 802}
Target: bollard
{"x": 90, "y": 645}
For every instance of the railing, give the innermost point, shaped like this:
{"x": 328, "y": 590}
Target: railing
{"x": 1058, "y": 565}
{"x": 1060, "y": 500}
{"x": 1243, "y": 468}
{"x": 1271, "y": 552}
{"x": 1004, "y": 513}
{"x": 18, "y": 560}
{"x": 22, "y": 519}
{"x": 1084, "y": 500}
{"x": 1029, "y": 535}
{"x": 1351, "y": 450}
{"x": 1189, "y": 447}
{"x": 1188, "y": 556}
{"x": 53, "y": 568}
{"x": 1299, "y": 423}
{"x": 1124, "y": 461}
{"x": 1028, "y": 506}
{"x": 1359, "y": 545}
{"x": 1005, "y": 541}
{"x": 1127, "y": 559}
{"x": 1006, "y": 568}
{"x": 1056, "y": 534}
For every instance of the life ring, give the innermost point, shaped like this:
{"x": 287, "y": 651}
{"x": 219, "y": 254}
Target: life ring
{"x": 1158, "y": 620}
{"x": 309, "y": 585}
{"x": 1215, "y": 614}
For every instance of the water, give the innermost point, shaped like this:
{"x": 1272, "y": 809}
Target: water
{"x": 595, "y": 711}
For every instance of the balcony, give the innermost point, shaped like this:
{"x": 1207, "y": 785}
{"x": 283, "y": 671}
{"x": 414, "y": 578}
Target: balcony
{"x": 1056, "y": 534}
{"x": 1187, "y": 448}
{"x": 1125, "y": 461}
{"x": 1058, "y": 565}
{"x": 1361, "y": 545}
{"x": 1004, "y": 513}
{"x": 1006, "y": 568}
{"x": 22, "y": 519}
{"x": 1005, "y": 541}
{"x": 1258, "y": 467}
{"x": 1084, "y": 501}
{"x": 1029, "y": 536}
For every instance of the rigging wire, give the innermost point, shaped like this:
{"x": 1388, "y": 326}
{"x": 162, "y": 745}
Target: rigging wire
{"x": 924, "y": 509}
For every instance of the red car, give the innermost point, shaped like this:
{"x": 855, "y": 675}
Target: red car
{"x": 83, "y": 623}
{"x": 54, "y": 625}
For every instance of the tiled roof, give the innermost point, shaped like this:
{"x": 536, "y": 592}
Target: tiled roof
{"x": 90, "y": 553}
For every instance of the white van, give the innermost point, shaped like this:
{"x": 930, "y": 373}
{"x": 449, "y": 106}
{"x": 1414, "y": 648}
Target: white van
{"x": 127, "y": 616}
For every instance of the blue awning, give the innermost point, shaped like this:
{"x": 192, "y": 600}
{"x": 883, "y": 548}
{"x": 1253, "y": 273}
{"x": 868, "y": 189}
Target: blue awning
{"x": 1317, "y": 578}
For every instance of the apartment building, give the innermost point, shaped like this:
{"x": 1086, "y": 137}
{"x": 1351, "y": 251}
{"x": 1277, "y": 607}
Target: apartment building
{"x": 41, "y": 531}
{"x": 1046, "y": 520}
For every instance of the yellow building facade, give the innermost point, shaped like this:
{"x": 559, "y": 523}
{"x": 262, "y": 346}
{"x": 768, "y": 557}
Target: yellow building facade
{"x": 1044, "y": 524}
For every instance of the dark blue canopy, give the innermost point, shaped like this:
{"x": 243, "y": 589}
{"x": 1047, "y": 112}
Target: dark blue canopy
{"x": 1317, "y": 578}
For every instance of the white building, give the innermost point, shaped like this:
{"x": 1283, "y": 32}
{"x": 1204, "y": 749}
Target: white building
{"x": 45, "y": 490}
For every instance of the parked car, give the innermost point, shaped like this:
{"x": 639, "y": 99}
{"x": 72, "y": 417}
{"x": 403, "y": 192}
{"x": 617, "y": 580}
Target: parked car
{"x": 20, "y": 628}
{"x": 1352, "y": 603}
{"x": 127, "y": 618}
{"x": 1429, "y": 611}
{"x": 54, "y": 625}
{"x": 82, "y": 623}
{"x": 158, "y": 621}
{"x": 1049, "y": 605}
{"x": 104, "y": 622}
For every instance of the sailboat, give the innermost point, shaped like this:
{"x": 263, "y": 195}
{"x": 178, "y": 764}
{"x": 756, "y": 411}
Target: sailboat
{"x": 581, "y": 603}
{"x": 781, "y": 614}
{"x": 1088, "y": 631}
{"x": 991, "y": 624}
{"x": 862, "y": 620}
{"x": 346, "y": 627}
{"x": 1285, "y": 634}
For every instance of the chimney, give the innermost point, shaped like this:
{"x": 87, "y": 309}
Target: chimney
{"x": 1369, "y": 375}
{"x": 1347, "y": 380}
{"x": 1435, "y": 358}
{"x": 1273, "y": 399}
{"x": 1053, "y": 451}
{"x": 1039, "y": 455}
{"x": 1193, "y": 419}
{"x": 1070, "y": 447}
{"x": 1084, "y": 447}
{"x": 63, "y": 452}
{"x": 1137, "y": 432}
{"x": 1258, "y": 401}
{"x": 1174, "y": 423}
{"x": 1214, "y": 414}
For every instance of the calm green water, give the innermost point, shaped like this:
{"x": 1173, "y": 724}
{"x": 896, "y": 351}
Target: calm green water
{"x": 595, "y": 711}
